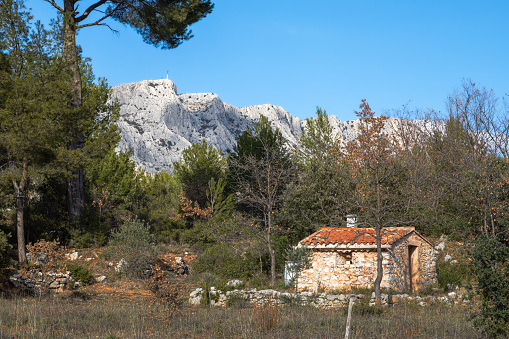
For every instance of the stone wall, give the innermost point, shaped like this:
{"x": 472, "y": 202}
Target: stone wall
{"x": 342, "y": 271}
{"x": 40, "y": 282}
{"x": 220, "y": 298}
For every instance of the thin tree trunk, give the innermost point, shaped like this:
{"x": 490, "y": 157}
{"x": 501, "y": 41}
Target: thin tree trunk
{"x": 75, "y": 187}
{"x": 272, "y": 259}
{"x": 378, "y": 226}
{"x": 20, "y": 209}
{"x": 379, "y": 268}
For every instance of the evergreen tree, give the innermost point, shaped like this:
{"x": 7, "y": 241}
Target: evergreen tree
{"x": 158, "y": 199}
{"x": 318, "y": 195}
{"x": 161, "y": 23}
{"x": 200, "y": 163}
{"x": 32, "y": 89}
{"x": 260, "y": 170}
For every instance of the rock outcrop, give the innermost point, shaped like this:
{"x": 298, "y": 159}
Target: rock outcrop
{"x": 158, "y": 124}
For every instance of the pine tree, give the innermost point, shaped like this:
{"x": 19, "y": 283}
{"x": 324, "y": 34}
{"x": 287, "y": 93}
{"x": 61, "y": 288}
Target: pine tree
{"x": 260, "y": 170}
{"x": 200, "y": 163}
{"x": 161, "y": 23}
{"x": 32, "y": 87}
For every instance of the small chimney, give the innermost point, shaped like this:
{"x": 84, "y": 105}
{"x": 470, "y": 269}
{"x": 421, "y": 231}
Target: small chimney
{"x": 351, "y": 220}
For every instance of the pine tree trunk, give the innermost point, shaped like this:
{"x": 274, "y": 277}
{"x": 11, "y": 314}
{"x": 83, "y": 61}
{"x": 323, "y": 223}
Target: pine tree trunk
{"x": 20, "y": 209}
{"x": 75, "y": 187}
{"x": 76, "y": 196}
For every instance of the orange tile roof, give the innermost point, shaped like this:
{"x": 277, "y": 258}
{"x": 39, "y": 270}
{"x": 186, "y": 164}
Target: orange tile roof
{"x": 355, "y": 236}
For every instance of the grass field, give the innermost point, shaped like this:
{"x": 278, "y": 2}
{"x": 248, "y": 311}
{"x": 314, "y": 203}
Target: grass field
{"x": 86, "y": 315}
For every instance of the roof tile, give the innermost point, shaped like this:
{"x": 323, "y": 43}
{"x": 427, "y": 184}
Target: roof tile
{"x": 355, "y": 236}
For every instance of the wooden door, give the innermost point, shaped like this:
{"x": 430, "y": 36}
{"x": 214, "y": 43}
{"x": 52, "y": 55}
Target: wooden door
{"x": 413, "y": 268}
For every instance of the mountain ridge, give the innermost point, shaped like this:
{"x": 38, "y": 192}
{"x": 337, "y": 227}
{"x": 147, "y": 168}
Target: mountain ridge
{"x": 157, "y": 123}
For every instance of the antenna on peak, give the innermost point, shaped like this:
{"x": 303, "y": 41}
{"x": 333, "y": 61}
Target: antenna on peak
{"x": 166, "y": 75}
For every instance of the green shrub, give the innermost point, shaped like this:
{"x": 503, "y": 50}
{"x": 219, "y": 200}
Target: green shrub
{"x": 169, "y": 236}
{"x": 219, "y": 259}
{"x": 451, "y": 275}
{"x": 237, "y": 300}
{"x": 4, "y": 250}
{"x": 205, "y": 300}
{"x": 259, "y": 282}
{"x": 196, "y": 236}
{"x": 80, "y": 273}
{"x": 85, "y": 239}
{"x": 135, "y": 244}
{"x": 490, "y": 261}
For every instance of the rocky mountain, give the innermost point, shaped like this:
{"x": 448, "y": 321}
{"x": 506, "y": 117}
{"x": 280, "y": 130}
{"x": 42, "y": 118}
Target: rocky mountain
{"x": 157, "y": 123}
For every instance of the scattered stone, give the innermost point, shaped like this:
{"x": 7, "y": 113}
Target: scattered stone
{"x": 182, "y": 268}
{"x": 121, "y": 266}
{"x": 442, "y": 242}
{"x": 235, "y": 283}
{"x": 72, "y": 256}
{"x": 447, "y": 258}
{"x": 101, "y": 280}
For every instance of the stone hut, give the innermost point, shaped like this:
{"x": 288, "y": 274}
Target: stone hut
{"x": 344, "y": 258}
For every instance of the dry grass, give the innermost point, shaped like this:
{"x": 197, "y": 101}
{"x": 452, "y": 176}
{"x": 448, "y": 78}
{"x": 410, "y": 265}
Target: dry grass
{"x": 137, "y": 309}
{"x": 82, "y": 315}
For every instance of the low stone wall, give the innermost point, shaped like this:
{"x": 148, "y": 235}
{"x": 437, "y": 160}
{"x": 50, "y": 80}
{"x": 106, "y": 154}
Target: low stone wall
{"x": 320, "y": 300}
{"x": 41, "y": 282}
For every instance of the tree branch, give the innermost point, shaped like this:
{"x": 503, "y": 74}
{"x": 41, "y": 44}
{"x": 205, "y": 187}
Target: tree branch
{"x": 91, "y": 9}
{"x": 98, "y": 22}
{"x": 54, "y": 4}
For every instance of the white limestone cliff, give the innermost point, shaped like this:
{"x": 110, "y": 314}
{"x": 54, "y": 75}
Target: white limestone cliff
{"x": 158, "y": 124}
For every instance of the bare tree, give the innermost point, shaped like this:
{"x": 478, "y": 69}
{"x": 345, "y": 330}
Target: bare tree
{"x": 379, "y": 194}
{"x": 483, "y": 137}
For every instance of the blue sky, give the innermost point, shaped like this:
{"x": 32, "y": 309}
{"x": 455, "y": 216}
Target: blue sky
{"x": 329, "y": 53}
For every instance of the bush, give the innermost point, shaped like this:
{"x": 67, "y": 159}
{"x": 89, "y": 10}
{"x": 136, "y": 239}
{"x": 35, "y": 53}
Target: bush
{"x": 224, "y": 262}
{"x": 80, "y": 273}
{"x": 451, "y": 275}
{"x": 4, "y": 250}
{"x": 259, "y": 282}
{"x": 237, "y": 300}
{"x": 135, "y": 245}
{"x": 196, "y": 236}
{"x": 491, "y": 265}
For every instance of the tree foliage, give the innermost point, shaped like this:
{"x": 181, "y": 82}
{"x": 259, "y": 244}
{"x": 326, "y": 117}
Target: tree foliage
{"x": 160, "y": 22}
{"x": 200, "y": 163}
{"x": 260, "y": 170}
{"x": 32, "y": 87}
{"x": 490, "y": 256}
{"x": 317, "y": 197}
